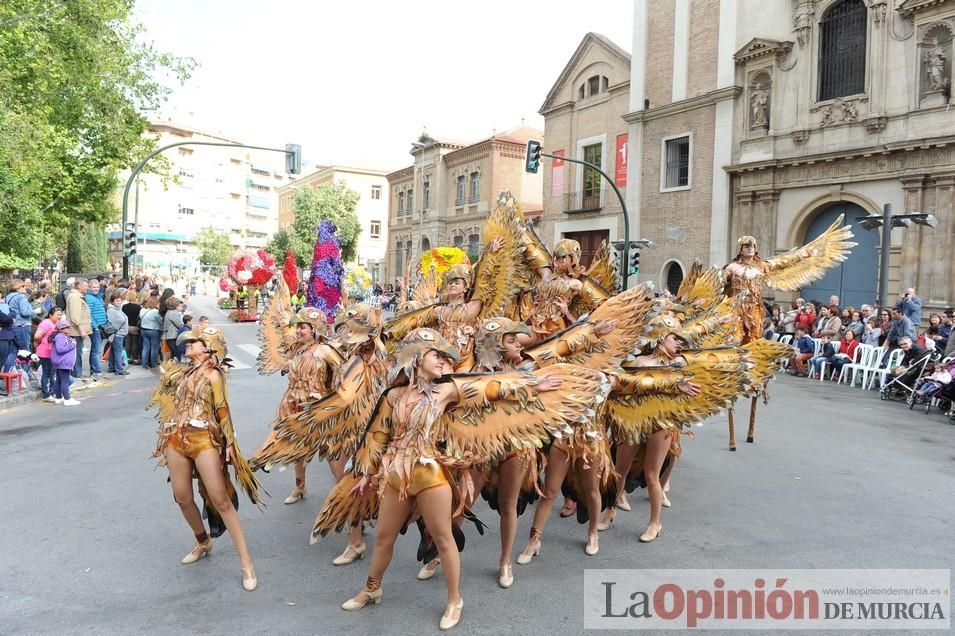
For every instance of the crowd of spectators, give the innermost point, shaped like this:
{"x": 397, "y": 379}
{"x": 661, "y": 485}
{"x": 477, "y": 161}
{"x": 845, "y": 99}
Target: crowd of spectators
{"x": 87, "y": 323}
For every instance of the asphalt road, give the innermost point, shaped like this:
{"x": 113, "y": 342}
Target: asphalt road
{"x": 92, "y": 538}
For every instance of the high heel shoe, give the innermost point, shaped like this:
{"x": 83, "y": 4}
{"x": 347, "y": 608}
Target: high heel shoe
{"x": 666, "y": 502}
{"x": 201, "y": 550}
{"x": 646, "y": 538}
{"x": 532, "y": 550}
{"x": 623, "y": 504}
{"x": 593, "y": 545}
{"x": 569, "y": 508}
{"x": 506, "y": 576}
{"x": 429, "y": 569}
{"x": 448, "y": 619}
{"x": 607, "y": 521}
{"x": 356, "y": 603}
{"x": 249, "y": 582}
{"x": 297, "y": 495}
{"x": 350, "y": 555}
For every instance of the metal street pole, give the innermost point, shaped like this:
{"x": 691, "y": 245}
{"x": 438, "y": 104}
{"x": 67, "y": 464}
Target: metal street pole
{"x": 884, "y": 255}
{"x": 624, "y": 265}
{"x": 141, "y": 164}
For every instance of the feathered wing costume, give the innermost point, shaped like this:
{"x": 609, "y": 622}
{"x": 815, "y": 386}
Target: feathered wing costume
{"x": 194, "y": 416}
{"x": 788, "y": 272}
{"x": 482, "y": 427}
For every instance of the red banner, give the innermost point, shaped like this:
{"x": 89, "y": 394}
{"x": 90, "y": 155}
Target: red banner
{"x": 557, "y": 174}
{"x": 623, "y": 156}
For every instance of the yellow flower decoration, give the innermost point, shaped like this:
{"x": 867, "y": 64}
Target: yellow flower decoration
{"x": 441, "y": 259}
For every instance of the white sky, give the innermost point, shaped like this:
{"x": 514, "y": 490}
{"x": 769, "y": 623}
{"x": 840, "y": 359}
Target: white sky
{"x": 356, "y": 81}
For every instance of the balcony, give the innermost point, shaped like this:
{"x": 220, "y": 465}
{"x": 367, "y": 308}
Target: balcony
{"x": 577, "y": 202}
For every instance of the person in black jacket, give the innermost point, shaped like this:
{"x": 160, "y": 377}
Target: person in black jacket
{"x": 60, "y": 299}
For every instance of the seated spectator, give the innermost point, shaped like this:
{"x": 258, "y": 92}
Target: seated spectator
{"x": 927, "y": 339}
{"x": 942, "y": 333}
{"x": 847, "y": 349}
{"x": 872, "y": 335}
{"x": 856, "y": 324}
{"x": 901, "y": 327}
{"x": 940, "y": 377}
{"x": 826, "y": 355}
{"x": 805, "y": 347}
{"x": 913, "y": 353}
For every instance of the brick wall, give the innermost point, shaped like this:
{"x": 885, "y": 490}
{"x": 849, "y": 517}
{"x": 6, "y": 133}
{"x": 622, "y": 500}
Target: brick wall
{"x": 704, "y": 45}
{"x": 659, "y": 78}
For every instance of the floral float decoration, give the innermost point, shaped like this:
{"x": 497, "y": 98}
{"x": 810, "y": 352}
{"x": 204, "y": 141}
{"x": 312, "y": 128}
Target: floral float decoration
{"x": 324, "y": 290}
{"x": 357, "y": 282}
{"x": 252, "y": 268}
{"x": 442, "y": 259}
{"x": 226, "y": 284}
{"x": 290, "y": 272}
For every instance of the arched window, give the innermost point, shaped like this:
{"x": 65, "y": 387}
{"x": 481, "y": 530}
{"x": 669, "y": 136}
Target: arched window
{"x": 842, "y": 50}
{"x": 425, "y": 244}
{"x": 673, "y": 275}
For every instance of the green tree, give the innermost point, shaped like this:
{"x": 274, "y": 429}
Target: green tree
{"x": 214, "y": 247}
{"x": 74, "y": 78}
{"x": 334, "y": 201}
{"x": 86, "y": 248}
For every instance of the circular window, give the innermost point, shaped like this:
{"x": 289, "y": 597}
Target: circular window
{"x": 673, "y": 276}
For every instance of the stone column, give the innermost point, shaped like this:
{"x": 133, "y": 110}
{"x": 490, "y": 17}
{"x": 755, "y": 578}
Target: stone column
{"x": 742, "y": 218}
{"x": 909, "y": 268}
{"x": 943, "y": 292}
{"x": 878, "y": 47}
{"x": 764, "y": 221}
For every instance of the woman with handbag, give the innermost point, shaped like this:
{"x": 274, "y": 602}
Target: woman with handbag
{"x": 132, "y": 308}
{"x": 150, "y": 332}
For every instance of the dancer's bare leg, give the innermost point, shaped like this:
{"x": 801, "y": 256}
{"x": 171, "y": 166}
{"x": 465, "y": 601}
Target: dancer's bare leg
{"x": 392, "y": 513}
{"x": 508, "y": 490}
{"x": 180, "y": 474}
{"x": 209, "y": 466}
{"x": 657, "y": 447}
{"x": 434, "y": 504}
{"x": 557, "y": 467}
{"x": 625, "y": 456}
{"x": 588, "y": 477}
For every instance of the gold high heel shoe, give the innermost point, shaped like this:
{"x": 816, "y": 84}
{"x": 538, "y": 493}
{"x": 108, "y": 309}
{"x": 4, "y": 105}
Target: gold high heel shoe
{"x": 350, "y": 555}
{"x": 356, "y": 603}
{"x": 646, "y": 538}
{"x": 607, "y": 521}
{"x": 531, "y": 550}
{"x": 201, "y": 550}
{"x": 448, "y": 619}
{"x": 249, "y": 582}
{"x": 623, "y": 503}
{"x": 297, "y": 495}
{"x": 506, "y": 576}
{"x": 593, "y": 545}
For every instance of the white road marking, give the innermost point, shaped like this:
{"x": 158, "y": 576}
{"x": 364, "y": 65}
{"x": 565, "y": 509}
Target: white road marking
{"x": 250, "y": 349}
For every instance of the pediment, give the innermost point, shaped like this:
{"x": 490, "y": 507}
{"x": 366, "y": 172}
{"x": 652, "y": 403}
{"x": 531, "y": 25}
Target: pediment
{"x": 759, "y": 47}
{"x": 612, "y": 52}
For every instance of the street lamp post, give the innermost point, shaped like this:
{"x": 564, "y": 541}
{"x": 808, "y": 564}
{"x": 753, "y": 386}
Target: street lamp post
{"x": 887, "y": 221}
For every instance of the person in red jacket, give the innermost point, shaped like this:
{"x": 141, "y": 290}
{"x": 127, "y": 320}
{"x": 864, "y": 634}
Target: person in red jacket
{"x": 847, "y": 349}
{"x": 806, "y": 317}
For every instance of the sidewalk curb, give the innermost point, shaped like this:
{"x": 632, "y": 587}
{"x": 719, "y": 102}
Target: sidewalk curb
{"x": 27, "y": 395}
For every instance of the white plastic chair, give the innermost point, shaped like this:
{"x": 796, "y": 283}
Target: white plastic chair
{"x": 894, "y": 360}
{"x": 836, "y": 346}
{"x": 787, "y": 339}
{"x": 872, "y": 364}
{"x": 861, "y": 356}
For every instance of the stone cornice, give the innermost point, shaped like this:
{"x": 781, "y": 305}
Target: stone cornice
{"x": 829, "y": 157}
{"x": 400, "y": 175}
{"x": 758, "y": 47}
{"x": 700, "y": 101}
{"x": 911, "y": 7}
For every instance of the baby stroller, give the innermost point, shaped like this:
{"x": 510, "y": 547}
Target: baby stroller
{"x": 904, "y": 385}
{"x": 27, "y": 364}
{"x": 941, "y": 395}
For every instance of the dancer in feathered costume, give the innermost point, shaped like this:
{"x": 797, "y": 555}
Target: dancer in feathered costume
{"x": 787, "y": 272}
{"x": 197, "y": 437}
{"x": 429, "y": 423}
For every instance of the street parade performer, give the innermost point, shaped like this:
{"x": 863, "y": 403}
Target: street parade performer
{"x": 429, "y": 425}
{"x": 787, "y": 272}
{"x": 197, "y": 437}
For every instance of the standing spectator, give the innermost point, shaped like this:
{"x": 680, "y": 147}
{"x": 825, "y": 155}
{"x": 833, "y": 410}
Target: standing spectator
{"x": 806, "y": 317}
{"x": 943, "y": 331}
{"x": 63, "y": 356}
{"x": 885, "y": 321}
{"x": 847, "y": 349}
{"x": 203, "y": 323}
{"x": 856, "y": 325}
{"x": 828, "y": 324}
{"x": 132, "y": 308}
{"x": 805, "y": 347}
{"x": 119, "y": 324}
{"x": 772, "y": 325}
{"x": 172, "y": 322}
{"x": 150, "y": 331}
{"x": 867, "y": 312}
{"x": 8, "y": 345}
{"x": 298, "y": 300}
{"x": 901, "y": 327}
{"x": 44, "y": 351}
{"x": 60, "y": 300}
{"x": 789, "y": 319}
{"x": 98, "y": 321}
{"x": 834, "y": 301}
{"x": 911, "y": 306}
{"x": 80, "y": 322}
{"x": 98, "y": 287}
{"x": 186, "y": 326}
{"x": 22, "y": 313}
{"x": 241, "y": 298}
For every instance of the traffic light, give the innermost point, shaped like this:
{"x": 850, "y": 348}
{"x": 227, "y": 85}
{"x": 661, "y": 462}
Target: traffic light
{"x": 129, "y": 239}
{"x": 293, "y": 158}
{"x": 533, "y": 161}
{"x": 634, "y": 259}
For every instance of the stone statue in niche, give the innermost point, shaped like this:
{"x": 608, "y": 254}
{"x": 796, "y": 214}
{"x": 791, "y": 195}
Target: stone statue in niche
{"x": 934, "y": 60}
{"x": 759, "y": 106}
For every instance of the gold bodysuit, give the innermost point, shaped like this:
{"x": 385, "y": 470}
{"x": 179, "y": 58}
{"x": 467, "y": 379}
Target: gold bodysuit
{"x": 310, "y": 376}
{"x": 412, "y": 463}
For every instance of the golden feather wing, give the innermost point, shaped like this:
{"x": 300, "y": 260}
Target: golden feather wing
{"x": 399, "y": 326}
{"x": 804, "y": 265}
{"x": 704, "y": 293}
{"x": 341, "y": 509}
{"x": 275, "y": 336}
{"x": 579, "y": 345}
{"x": 649, "y": 398}
{"x": 603, "y": 268}
{"x": 500, "y": 276}
{"x": 331, "y": 427}
{"x": 766, "y": 356}
{"x": 164, "y": 395}
{"x": 479, "y": 429}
